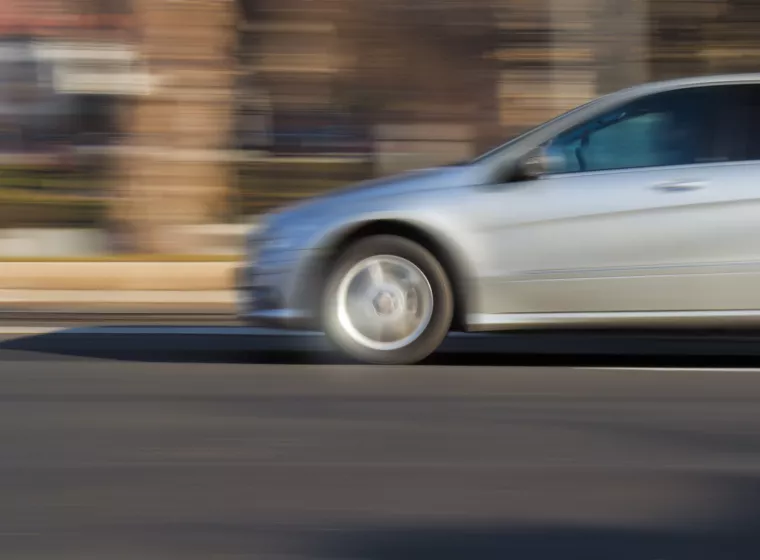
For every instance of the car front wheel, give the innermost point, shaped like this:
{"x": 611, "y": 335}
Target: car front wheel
{"x": 387, "y": 301}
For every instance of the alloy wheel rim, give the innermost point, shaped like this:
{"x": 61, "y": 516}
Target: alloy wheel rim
{"x": 384, "y": 302}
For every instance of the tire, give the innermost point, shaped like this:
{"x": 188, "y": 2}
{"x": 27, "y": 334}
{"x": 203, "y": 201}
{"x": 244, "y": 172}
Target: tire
{"x": 422, "y": 294}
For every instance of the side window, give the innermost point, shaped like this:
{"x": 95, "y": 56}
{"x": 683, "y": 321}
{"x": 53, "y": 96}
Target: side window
{"x": 672, "y": 128}
{"x": 746, "y": 135}
{"x": 630, "y": 143}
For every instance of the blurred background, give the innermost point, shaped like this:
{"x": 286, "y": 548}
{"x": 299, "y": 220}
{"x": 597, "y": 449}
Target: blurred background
{"x": 164, "y": 127}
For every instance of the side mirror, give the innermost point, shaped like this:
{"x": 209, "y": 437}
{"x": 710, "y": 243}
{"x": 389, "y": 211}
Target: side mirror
{"x": 534, "y": 165}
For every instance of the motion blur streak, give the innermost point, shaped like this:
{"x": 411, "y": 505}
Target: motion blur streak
{"x": 142, "y": 140}
{"x": 143, "y": 126}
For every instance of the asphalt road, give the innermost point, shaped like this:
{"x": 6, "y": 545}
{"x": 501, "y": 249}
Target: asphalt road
{"x": 157, "y": 443}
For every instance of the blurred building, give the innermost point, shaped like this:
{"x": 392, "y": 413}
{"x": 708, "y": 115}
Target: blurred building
{"x": 192, "y": 89}
{"x": 493, "y": 66}
{"x": 61, "y": 64}
{"x": 306, "y": 70}
{"x": 318, "y": 73}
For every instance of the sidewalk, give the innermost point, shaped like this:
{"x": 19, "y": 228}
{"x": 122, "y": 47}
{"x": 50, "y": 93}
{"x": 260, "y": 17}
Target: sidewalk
{"x": 109, "y": 276}
{"x": 206, "y": 301}
{"x": 206, "y": 287}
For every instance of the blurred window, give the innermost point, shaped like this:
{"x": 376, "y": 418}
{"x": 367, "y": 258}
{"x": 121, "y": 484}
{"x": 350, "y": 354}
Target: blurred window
{"x": 746, "y": 133}
{"x": 680, "y": 127}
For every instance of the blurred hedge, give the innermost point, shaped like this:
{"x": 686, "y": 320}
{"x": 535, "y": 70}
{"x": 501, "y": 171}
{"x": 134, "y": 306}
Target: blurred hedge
{"x": 76, "y": 198}
{"x": 263, "y": 185}
{"x": 47, "y": 210}
{"x": 47, "y": 197}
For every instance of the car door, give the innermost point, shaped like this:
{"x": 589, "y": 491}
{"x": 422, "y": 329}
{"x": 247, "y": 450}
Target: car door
{"x": 647, "y": 210}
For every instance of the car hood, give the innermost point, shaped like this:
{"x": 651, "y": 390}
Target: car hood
{"x": 398, "y": 185}
{"x": 421, "y": 179}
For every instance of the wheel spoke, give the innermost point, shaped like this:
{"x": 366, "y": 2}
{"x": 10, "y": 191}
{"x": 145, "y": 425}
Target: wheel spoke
{"x": 376, "y": 272}
{"x": 385, "y": 302}
{"x": 405, "y": 325}
{"x": 355, "y": 303}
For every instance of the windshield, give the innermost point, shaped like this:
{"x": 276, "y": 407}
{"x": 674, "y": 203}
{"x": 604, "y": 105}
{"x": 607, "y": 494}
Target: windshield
{"x": 496, "y": 152}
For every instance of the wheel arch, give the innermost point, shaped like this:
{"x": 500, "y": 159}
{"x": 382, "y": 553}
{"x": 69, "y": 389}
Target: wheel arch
{"x": 438, "y": 245}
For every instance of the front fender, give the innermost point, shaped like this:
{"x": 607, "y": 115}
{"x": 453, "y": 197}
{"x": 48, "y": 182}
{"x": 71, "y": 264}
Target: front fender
{"x": 432, "y": 235}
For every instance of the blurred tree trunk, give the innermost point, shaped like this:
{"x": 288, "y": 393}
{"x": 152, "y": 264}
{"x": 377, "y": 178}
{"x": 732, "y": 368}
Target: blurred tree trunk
{"x": 169, "y": 172}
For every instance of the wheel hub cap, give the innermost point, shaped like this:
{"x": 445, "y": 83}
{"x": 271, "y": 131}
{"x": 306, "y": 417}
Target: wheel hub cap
{"x": 384, "y": 302}
{"x": 387, "y": 302}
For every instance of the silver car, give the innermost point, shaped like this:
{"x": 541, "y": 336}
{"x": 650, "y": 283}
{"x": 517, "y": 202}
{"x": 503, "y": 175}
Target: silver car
{"x": 640, "y": 208}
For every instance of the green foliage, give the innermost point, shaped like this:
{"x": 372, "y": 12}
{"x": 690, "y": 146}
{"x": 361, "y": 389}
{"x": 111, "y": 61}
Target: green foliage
{"x": 53, "y": 198}
{"x": 271, "y": 183}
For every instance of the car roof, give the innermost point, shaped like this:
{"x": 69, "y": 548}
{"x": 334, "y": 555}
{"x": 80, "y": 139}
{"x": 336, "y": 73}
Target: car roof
{"x": 612, "y": 99}
{"x": 666, "y": 85}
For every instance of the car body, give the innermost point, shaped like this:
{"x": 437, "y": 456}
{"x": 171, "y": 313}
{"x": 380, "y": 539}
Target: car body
{"x": 641, "y": 207}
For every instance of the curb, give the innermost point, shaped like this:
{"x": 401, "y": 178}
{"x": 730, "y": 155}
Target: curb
{"x": 70, "y": 315}
{"x": 216, "y": 297}
{"x": 117, "y": 277}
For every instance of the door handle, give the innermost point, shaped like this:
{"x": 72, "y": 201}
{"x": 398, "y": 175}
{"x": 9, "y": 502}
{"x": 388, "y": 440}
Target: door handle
{"x": 681, "y": 186}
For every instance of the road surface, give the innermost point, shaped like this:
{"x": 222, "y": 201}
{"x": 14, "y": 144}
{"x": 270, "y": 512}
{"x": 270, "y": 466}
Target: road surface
{"x": 212, "y": 443}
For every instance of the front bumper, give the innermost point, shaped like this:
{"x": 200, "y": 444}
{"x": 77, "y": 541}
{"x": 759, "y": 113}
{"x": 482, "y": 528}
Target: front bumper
{"x": 264, "y": 299}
